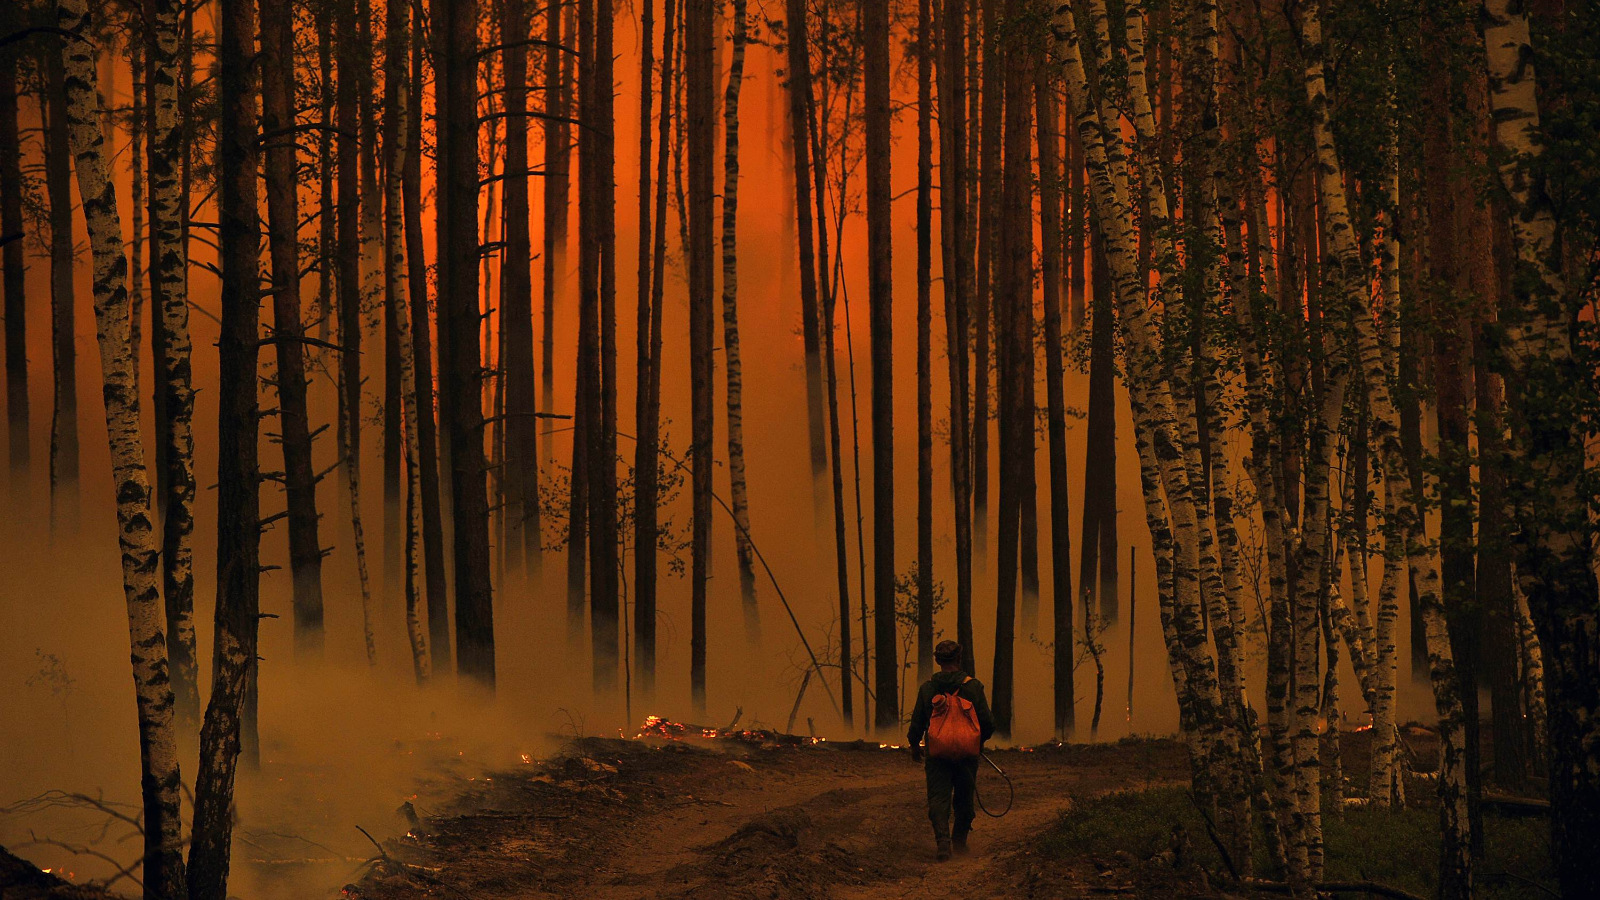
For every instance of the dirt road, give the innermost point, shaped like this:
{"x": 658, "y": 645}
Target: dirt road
{"x": 734, "y": 818}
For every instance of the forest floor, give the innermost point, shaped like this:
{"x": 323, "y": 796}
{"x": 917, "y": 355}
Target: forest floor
{"x": 755, "y": 816}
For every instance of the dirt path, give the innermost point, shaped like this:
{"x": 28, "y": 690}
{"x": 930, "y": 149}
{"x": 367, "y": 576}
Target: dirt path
{"x": 728, "y": 818}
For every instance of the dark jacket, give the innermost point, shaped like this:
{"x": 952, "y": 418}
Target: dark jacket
{"x": 944, "y": 683}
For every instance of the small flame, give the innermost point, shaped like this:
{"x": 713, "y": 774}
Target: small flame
{"x": 527, "y": 759}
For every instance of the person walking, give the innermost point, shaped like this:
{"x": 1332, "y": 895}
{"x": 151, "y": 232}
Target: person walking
{"x": 952, "y": 717}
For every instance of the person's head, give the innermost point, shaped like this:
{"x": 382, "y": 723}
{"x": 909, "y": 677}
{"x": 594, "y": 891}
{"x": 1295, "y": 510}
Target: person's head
{"x": 948, "y": 655}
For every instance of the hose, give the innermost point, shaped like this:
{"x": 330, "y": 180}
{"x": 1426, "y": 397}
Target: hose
{"x": 1011, "y": 790}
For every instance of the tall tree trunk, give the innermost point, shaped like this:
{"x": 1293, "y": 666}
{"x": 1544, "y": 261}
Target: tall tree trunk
{"x": 397, "y": 150}
{"x": 880, "y": 300}
{"x": 227, "y": 732}
{"x": 1455, "y": 860}
{"x": 556, "y": 157}
{"x": 521, "y": 470}
{"x": 646, "y": 460}
{"x": 956, "y": 282}
{"x": 1055, "y": 399}
{"x": 1169, "y": 498}
{"x": 924, "y": 583}
{"x": 738, "y": 491}
{"x": 15, "y": 267}
{"x": 1097, "y": 569}
{"x": 699, "y": 87}
{"x": 163, "y": 872}
{"x": 1554, "y": 563}
{"x": 283, "y": 216}
{"x": 604, "y": 593}
{"x": 992, "y": 103}
{"x": 427, "y": 455}
{"x": 800, "y": 103}
{"x": 1452, "y": 336}
{"x": 455, "y": 26}
{"x": 169, "y": 295}
{"x": 352, "y": 257}
{"x": 138, "y": 123}
{"x": 1012, "y": 261}
{"x": 64, "y": 353}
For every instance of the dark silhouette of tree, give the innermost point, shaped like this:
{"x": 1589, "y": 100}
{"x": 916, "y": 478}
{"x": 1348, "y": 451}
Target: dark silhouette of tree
{"x": 64, "y": 354}
{"x": 454, "y": 24}
{"x": 15, "y": 267}
{"x": 227, "y": 733}
{"x": 699, "y": 101}
{"x": 924, "y": 621}
{"x": 651, "y": 296}
{"x": 880, "y": 301}
{"x": 280, "y": 131}
{"x": 521, "y": 467}
{"x": 955, "y": 239}
{"x": 1051, "y": 256}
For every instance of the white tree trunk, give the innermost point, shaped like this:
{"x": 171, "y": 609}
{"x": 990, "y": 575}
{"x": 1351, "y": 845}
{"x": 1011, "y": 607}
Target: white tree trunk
{"x": 1423, "y": 562}
{"x": 163, "y": 861}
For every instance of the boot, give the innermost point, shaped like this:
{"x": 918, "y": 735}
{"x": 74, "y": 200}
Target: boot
{"x": 943, "y": 853}
{"x": 959, "y": 843}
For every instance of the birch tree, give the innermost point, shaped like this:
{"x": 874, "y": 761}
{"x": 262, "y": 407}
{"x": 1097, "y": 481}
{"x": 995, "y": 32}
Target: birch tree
{"x": 1554, "y": 567}
{"x": 739, "y": 491}
{"x": 163, "y": 871}
{"x": 169, "y": 297}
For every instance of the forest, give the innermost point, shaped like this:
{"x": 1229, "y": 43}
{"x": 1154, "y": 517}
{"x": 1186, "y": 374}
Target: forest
{"x": 482, "y": 370}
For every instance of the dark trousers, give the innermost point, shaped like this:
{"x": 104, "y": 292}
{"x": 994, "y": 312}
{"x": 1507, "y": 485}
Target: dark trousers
{"x": 951, "y": 782}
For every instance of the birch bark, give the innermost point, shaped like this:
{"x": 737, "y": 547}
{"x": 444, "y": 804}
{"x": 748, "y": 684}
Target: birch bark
{"x": 163, "y": 873}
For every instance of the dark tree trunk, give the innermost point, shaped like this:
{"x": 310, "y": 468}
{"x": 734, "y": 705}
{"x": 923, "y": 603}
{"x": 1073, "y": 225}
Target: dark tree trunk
{"x": 556, "y": 157}
{"x": 64, "y": 354}
{"x": 350, "y": 63}
{"x": 992, "y": 103}
{"x": 11, "y": 258}
{"x": 436, "y": 584}
{"x": 1452, "y": 336}
{"x": 800, "y": 104}
{"x": 924, "y": 340}
{"x": 1077, "y": 233}
{"x": 880, "y": 301}
{"x": 521, "y": 471}
{"x": 1050, "y": 182}
{"x": 599, "y": 275}
{"x": 646, "y": 459}
{"x": 699, "y": 91}
{"x": 1097, "y": 569}
{"x": 226, "y": 734}
{"x": 283, "y": 217}
{"x": 957, "y": 282}
{"x": 1013, "y": 290}
{"x": 455, "y": 29}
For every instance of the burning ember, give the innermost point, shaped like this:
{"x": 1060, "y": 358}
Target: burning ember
{"x": 659, "y": 727}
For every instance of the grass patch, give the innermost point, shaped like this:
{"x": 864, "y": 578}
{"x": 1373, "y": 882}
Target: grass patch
{"x": 1395, "y": 847}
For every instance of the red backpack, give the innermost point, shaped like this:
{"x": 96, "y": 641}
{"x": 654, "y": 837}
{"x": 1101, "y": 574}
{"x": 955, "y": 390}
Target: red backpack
{"x": 953, "y": 731}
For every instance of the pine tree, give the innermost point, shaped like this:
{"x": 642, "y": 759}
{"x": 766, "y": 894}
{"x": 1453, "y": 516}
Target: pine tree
{"x": 699, "y": 86}
{"x": 227, "y": 733}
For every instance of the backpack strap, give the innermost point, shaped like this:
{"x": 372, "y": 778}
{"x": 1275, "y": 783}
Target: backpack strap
{"x": 957, "y": 688}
